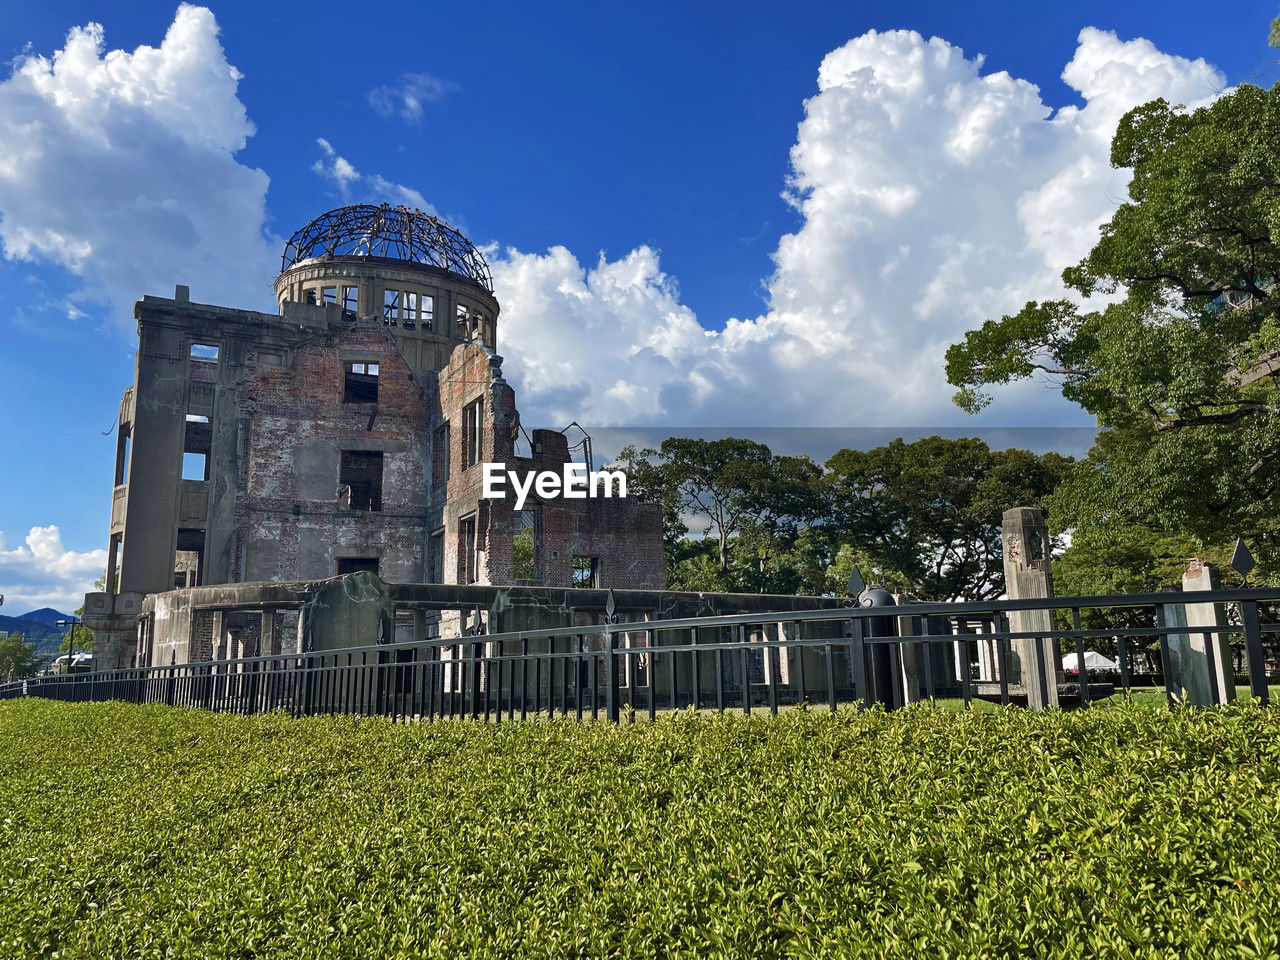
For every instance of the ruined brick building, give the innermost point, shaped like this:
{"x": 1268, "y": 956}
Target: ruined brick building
{"x": 344, "y": 433}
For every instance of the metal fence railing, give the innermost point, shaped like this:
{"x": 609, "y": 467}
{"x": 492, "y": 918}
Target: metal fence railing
{"x": 858, "y": 655}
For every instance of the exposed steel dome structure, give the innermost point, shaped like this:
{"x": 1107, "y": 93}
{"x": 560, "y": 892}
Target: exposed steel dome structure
{"x": 365, "y": 231}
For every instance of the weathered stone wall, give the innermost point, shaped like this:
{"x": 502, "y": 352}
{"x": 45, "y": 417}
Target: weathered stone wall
{"x": 297, "y": 426}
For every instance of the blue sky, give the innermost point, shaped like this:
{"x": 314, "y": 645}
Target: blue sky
{"x": 638, "y": 176}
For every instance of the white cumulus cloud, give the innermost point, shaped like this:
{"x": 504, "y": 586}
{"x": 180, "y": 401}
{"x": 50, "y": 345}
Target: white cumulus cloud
{"x": 43, "y": 573}
{"x": 933, "y": 197}
{"x": 121, "y": 168}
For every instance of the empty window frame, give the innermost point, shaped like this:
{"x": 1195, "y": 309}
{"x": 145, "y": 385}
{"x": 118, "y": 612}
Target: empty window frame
{"x": 328, "y": 294}
{"x": 188, "y": 559}
{"x": 468, "y": 549}
{"x": 440, "y": 456}
{"x": 204, "y": 352}
{"x": 586, "y": 571}
{"x": 427, "y": 310}
{"x": 435, "y": 557}
{"x": 124, "y": 450}
{"x": 526, "y": 544}
{"x": 360, "y": 383}
{"x": 197, "y": 445}
{"x": 357, "y": 565}
{"x": 351, "y": 300}
{"x": 409, "y": 309}
{"x": 309, "y": 296}
{"x": 391, "y": 307}
{"x": 360, "y": 480}
{"x": 472, "y": 418}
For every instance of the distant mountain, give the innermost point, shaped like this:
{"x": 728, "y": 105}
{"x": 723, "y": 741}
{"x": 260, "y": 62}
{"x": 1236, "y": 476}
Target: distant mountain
{"x": 46, "y": 638}
{"x": 46, "y": 615}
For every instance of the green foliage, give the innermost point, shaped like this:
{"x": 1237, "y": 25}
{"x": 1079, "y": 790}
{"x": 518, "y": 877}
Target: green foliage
{"x": 18, "y": 659}
{"x": 150, "y": 832}
{"x": 921, "y": 517}
{"x": 82, "y": 635}
{"x": 1174, "y": 367}
{"x": 524, "y": 555}
{"x": 925, "y": 516}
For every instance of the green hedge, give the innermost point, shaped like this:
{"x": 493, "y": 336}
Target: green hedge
{"x": 153, "y": 832}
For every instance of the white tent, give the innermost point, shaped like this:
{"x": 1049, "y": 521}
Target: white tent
{"x": 1094, "y": 662}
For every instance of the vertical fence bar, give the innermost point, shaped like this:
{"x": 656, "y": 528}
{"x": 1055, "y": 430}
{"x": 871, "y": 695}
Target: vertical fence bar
{"x": 1162, "y": 621}
{"x": 771, "y": 667}
{"x": 653, "y": 675}
{"x": 1081, "y": 667}
{"x": 719, "y": 673}
{"x": 829, "y": 657}
{"x": 1122, "y": 653}
{"x": 1000, "y": 622}
{"x": 1253, "y": 651}
{"x": 745, "y": 660}
{"x": 577, "y": 676}
{"x": 612, "y": 691}
{"x": 695, "y": 670}
{"x": 801, "y": 693}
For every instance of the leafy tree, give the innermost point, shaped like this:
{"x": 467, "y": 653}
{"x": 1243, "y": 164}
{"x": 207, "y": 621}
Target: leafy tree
{"x": 924, "y": 517}
{"x": 83, "y": 637}
{"x": 17, "y": 658}
{"x": 1179, "y": 368}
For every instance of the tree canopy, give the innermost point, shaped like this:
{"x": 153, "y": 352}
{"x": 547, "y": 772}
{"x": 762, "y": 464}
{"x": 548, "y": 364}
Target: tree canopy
{"x": 18, "y": 659}
{"x": 1175, "y": 342}
{"x": 920, "y": 518}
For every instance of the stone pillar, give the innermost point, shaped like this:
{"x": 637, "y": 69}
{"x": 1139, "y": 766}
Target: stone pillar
{"x": 267, "y": 634}
{"x": 1207, "y": 671}
{"x": 220, "y": 649}
{"x": 1034, "y": 663}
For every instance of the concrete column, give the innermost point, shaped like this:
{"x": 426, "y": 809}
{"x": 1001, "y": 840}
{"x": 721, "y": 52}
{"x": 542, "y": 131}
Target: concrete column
{"x": 1035, "y": 666}
{"x": 300, "y": 645}
{"x": 267, "y": 634}
{"x": 219, "y": 637}
{"x": 1207, "y": 673}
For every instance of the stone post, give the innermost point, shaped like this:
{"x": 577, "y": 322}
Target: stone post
{"x": 1207, "y": 671}
{"x": 267, "y": 633}
{"x": 1034, "y": 662}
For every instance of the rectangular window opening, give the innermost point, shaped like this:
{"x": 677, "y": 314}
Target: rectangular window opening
{"x": 526, "y": 544}
{"x": 428, "y": 307}
{"x": 188, "y": 560}
{"x": 586, "y": 572}
{"x": 356, "y": 565}
{"x": 440, "y": 456}
{"x": 409, "y": 309}
{"x": 196, "y": 446}
{"x": 390, "y": 307}
{"x": 467, "y": 549}
{"x": 124, "y": 449}
{"x": 360, "y": 383}
{"x": 204, "y": 352}
{"x": 350, "y": 301}
{"x": 472, "y": 418}
{"x": 435, "y": 557}
{"x": 360, "y": 480}
{"x": 329, "y": 294}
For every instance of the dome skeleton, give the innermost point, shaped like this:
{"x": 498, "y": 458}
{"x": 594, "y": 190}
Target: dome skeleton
{"x": 394, "y": 233}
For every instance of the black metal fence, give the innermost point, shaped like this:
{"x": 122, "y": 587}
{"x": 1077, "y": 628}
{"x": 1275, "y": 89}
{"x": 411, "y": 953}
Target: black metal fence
{"x": 857, "y": 655}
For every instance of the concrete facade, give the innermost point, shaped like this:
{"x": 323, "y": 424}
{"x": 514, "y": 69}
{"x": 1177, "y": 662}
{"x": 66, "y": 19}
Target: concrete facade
{"x": 345, "y": 433}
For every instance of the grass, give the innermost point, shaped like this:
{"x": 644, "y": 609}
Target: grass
{"x": 130, "y": 831}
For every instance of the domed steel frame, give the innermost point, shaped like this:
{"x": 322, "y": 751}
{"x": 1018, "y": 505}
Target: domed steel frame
{"x": 393, "y": 233}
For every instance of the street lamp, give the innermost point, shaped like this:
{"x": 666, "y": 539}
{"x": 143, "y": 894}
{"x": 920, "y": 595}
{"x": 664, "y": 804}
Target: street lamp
{"x": 71, "y": 640}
